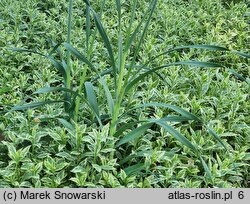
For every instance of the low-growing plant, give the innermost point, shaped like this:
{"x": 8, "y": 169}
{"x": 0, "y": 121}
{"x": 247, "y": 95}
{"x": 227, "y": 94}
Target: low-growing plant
{"x": 122, "y": 75}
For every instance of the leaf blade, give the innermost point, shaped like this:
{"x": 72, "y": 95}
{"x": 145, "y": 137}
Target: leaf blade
{"x": 91, "y": 98}
{"x": 183, "y": 140}
{"x": 177, "y": 109}
{"x": 80, "y": 56}
{"x": 134, "y": 169}
{"x": 33, "y": 105}
{"x": 134, "y": 134}
{"x": 106, "y": 41}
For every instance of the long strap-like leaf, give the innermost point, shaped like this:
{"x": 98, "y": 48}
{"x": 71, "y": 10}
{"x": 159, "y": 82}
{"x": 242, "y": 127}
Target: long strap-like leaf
{"x": 132, "y": 82}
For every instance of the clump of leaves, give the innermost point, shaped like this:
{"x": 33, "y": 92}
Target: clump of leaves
{"x": 118, "y": 82}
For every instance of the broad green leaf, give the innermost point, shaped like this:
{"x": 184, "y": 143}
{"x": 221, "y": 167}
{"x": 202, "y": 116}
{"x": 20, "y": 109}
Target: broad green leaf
{"x": 131, "y": 21}
{"x": 109, "y": 71}
{"x": 120, "y": 53}
{"x": 132, "y": 82}
{"x": 134, "y": 134}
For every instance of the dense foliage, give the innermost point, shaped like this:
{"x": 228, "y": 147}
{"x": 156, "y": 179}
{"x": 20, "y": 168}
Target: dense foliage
{"x": 87, "y": 134}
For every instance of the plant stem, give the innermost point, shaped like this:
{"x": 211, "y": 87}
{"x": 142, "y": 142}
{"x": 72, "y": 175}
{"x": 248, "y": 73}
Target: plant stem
{"x": 68, "y": 61}
{"x": 119, "y": 97}
{"x": 82, "y": 80}
{"x": 89, "y": 51}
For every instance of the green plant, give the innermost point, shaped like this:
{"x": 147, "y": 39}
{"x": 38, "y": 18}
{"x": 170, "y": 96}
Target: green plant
{"x": 124, "y": 74}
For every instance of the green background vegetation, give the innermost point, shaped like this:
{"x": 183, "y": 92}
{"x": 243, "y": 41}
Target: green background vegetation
{"x": 41, "y": 151}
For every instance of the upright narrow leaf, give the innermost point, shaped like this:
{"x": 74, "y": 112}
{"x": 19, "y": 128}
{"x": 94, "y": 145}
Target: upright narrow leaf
{"x": 207, "y": 170}
{"x": 118, "y": 8}
{"x": 152, "y": 8}
{"x": 87, "y": 27}
{"x": 106, "y": 41}
{"x": 130, "y": 40}
{"x": 58, "y": 66}
{"x": 108, "y": 96}
{"x": 91, "y": 97}
{"x": 80, "y": 56}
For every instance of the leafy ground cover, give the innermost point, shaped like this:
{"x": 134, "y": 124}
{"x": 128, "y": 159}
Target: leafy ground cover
{"x": 100, "y": 143}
